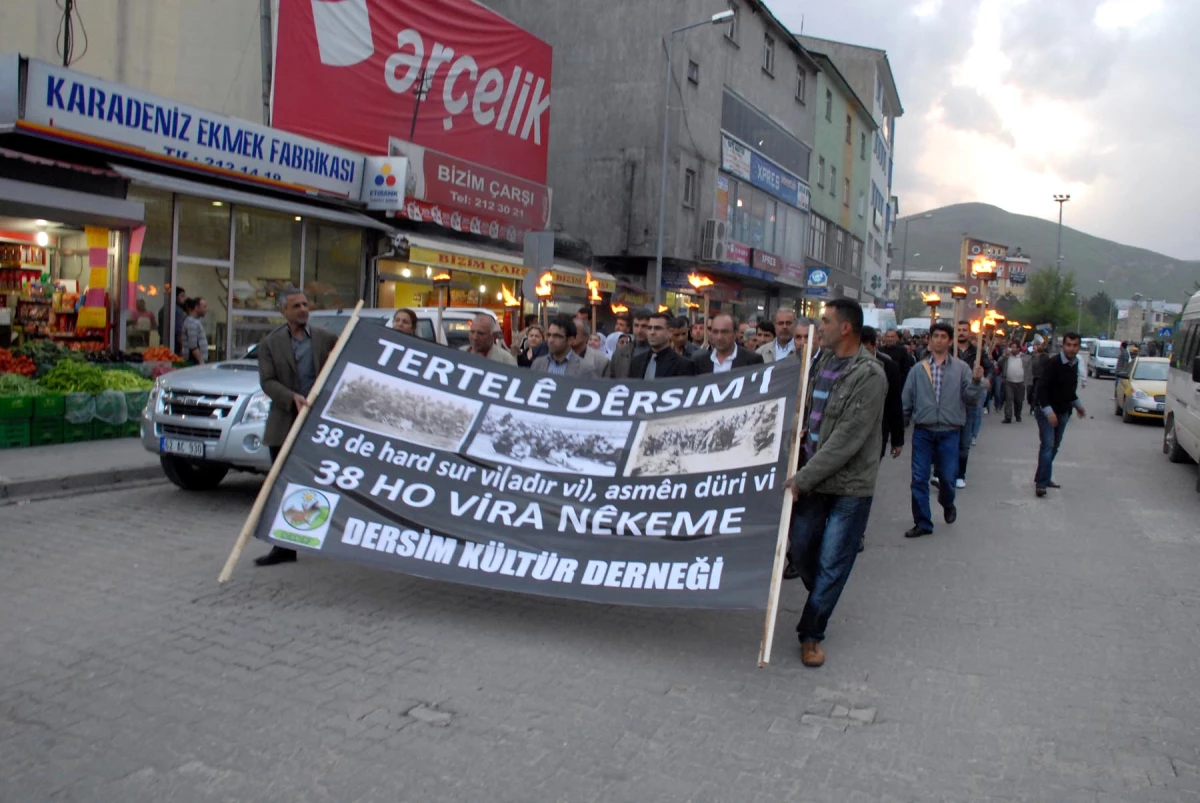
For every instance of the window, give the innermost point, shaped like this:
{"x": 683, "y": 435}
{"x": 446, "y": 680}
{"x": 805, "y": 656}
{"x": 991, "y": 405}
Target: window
{"x": 818, "y": 229}
{"x": 829, "y": 105}
{"x": 862, "y": 145}
{"x": 801, "y": 83}
{"x": 839, "y": 247}
{"x": 266, "y": 257}
{"x": 731, "y": 30}
{"x": 741, "y": 120}
{"x": 689, "y": 188}
{"x": 693, "y": 73}
{"x": 833, "y": 181}
{"x": 846, "y": 193}
{"x": 862, "y": 204}
{"x": 331, "y": 265}
{"x": 820, "y": 171}
{"x": 856, "y": 252}
{"x": 792, "y": 249}
{"x": 769, "y": 54}
{"x": 849, "y": 130}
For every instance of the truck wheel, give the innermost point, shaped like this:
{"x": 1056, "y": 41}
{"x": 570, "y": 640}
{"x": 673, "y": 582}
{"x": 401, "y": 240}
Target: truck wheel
{"x": 192, "y": 476}
{"x": 1171, "y": 447}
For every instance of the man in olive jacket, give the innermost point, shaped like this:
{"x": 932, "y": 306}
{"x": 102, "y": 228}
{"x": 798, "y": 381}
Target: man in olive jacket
{"x": 842, "y": 436}
{"x": 289, "y": 360}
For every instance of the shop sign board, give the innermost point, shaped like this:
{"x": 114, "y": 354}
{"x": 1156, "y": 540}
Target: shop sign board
{"x": 770, "y": 263}
{"x": 435, "y": 462}
{"x": 384, "y": 180}
{"x": 748, "y": 164}
{"x": 795, "y": 270}
{"x": 491, "y": 267}
{"x": 351, "y": 71}
{"x": 737, "y": 253}
{"x": 74, "y": 107}
{"x": 817, "y": 283}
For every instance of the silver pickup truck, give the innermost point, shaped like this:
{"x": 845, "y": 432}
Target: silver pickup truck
{"x": 208, "y": 420}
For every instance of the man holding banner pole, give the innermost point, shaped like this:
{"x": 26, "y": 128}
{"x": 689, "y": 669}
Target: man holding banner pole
{"x": 289, "y": 360}
{"x": 840, "y": 461}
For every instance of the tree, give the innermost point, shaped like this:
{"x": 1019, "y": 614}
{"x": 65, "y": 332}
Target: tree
{"x": 1007, "y": 303}
{"x": 1100, "y": 306}
{"x": 1049, "y": 299}
{"x": 910, "y": 305}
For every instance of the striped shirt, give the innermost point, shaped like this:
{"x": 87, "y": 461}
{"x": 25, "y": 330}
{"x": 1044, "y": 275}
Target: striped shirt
{"x": 936, "y": 370}
{"x": 822, "y": 384}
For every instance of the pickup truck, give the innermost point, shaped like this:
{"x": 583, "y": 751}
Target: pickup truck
{"x": 208, "y": 420}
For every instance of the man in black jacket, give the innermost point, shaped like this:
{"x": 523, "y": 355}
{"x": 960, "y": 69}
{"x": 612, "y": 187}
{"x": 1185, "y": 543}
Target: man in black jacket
{"x": 899, "y": 353}
{"x": 660, "y": 359}
{"x": 725, "y": 354}
{"x": 893, "y": 406}
{"x": 1055, "y": 399}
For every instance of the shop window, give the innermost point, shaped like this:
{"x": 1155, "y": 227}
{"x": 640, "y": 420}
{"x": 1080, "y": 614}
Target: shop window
{"x": 203, "y": 228}
{"x": 331, "y": 265}
{"x": 770, "y": 224}
{"x": 267, "y": 257}
{"x": 758, "y": 213}
{"x": 212, "y": 284}
{"x": 154, "y": 273}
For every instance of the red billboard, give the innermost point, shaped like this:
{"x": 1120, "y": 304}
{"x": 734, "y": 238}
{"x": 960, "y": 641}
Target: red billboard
{"x": 349, "y": 72}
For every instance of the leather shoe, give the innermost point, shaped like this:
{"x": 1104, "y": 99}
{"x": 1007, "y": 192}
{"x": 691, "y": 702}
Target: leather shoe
{"x": 277, "y": 554}
{"x": 790, "y": 572}
{"x": 1053, "y": 484}
{"x": 812, "y": 653}
{"x": 1040, "y": 492}
{"x": 1007, "y": 421}
{"x": 950, "y": 513}
{"x": 917, "y": 532}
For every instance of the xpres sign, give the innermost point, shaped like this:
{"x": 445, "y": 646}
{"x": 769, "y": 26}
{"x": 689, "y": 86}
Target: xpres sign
{"x": 351, "y": 72}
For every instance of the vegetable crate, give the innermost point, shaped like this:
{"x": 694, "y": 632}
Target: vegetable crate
{"x": 133, "y": 429}
{"x": 14, "y": 434}
{"x": 74, "y": 433}
{"x": 45, "y": 431}
{"x": 16, "y": 407}
{"x": 50, "y": 405}
{"x": 104, "y": 432}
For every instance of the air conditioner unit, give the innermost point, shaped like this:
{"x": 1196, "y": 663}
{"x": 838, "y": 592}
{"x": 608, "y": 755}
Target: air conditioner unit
{"x": 712, "y": 241}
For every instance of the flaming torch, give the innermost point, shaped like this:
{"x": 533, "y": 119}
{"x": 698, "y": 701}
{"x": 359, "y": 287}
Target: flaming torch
{"x": 703, "y": 285}
{"x": 618, "y": 309}
{"x": 441, "y": 281}
{"x": 593, "y": 286}
{"x": 509, "y": 299}
{"x": 984, "y": 270}
{"x": 544, "y": 290}
{"x": 958, "y": 293}
{"x": 934, "y": 301}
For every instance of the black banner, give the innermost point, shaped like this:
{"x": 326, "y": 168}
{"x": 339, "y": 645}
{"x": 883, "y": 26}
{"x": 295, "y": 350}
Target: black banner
{"x": 439, "y": 463}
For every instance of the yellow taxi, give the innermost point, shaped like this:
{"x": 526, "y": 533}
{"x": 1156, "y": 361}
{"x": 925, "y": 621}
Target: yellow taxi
{"x": 1142, "y": 388}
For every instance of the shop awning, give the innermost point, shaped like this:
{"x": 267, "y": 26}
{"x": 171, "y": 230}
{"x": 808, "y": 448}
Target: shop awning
{"x": 443, "y": 252}
{"x": 23, "y": 199}
{"x": 211, "y": 192}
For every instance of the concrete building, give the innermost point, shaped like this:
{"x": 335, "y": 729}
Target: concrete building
{"x": 869, "y": 73}
{"x": 186, "y": 51}
{"x": 742, "y": 106}
{"x": 1142, "y": 317}
{"x": 840, "y": 177}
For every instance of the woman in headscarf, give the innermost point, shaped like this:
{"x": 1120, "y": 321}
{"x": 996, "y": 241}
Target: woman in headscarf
{"x": 612, "y": 343}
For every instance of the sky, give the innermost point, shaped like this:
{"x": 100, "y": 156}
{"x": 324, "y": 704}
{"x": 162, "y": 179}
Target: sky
{"x": 1008, "y": 102}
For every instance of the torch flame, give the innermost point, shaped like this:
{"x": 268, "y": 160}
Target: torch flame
{"x": 442, "y": 277}
{"x": 509, "y": 299}
{"x": 958, "y": 292}
{"x": 1000, "y": 333}
{"x": 618, "y": 309}
{"x": 545, "y": 286}
{"x": 663, "y": 308}
{"x": 975, "y": 326}
{"x": 932, "y": 299}
{"x": 699, "y": 281}
{"x": 593, "y": 289}
{"x": 983, "y": 268}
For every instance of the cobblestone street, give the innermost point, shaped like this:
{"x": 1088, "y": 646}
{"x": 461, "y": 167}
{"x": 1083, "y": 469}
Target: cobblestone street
{"x": 1037, "y": 650}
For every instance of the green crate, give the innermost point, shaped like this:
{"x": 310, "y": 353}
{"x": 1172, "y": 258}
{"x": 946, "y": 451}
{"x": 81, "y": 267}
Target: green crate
{"x": 133, "y": 429}
{"x": 135, "y": 403}
{"x": 104, "y": 432}
{"x": 73, "y": 433}
{"x": 50, "y": 405}
{"x": 13, "y": 434}
{"x": 16, "y": 407}
{"x": 43, "y": 431}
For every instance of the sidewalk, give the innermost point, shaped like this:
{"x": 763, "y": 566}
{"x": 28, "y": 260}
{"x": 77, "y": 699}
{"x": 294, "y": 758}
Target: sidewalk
{"x": 44, "y": 471}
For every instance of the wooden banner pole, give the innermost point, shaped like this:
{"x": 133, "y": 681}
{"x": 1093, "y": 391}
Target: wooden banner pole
{"x": 707, "y": 316}
{"x": 983, "y": 309}
{"x": 785, "y": 516}
{"x": 265, "y": 492}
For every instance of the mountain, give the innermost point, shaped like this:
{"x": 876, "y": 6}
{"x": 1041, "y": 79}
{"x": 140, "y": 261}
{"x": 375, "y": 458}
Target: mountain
{"x": 1125, "y": 269}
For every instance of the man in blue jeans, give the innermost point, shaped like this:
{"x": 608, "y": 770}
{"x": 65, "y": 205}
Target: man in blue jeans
{"x": 1056, "y": 398}
{"x": 939, "y": 391}
{"x": 842, "y": 436}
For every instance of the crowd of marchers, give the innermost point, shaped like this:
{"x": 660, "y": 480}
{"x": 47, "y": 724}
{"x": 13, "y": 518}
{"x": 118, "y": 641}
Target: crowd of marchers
{"x": 865, "y": 390}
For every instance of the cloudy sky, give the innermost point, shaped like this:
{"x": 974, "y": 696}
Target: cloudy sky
{"x": 1010, "y": 101}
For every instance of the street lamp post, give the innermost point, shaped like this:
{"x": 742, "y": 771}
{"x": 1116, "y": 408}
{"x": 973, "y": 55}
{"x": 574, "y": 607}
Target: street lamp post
{"x": 904, "y": 268}
{"x": 720, "y": 18}
{"x": 1060, "y": 200}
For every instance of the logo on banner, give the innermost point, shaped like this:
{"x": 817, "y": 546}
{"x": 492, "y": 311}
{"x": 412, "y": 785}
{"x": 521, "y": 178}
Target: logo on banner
{"x": 385, "y": 183}
{"x": 304, "y": 516}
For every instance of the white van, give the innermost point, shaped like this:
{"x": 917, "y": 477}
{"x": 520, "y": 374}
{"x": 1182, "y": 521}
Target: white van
{"x": 880, "y": 318}
{"x": 1102, "y": 358}
{"x": 1181, "y": 425}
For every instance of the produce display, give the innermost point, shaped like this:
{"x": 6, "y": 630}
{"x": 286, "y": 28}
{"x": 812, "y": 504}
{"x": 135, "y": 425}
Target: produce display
{"x": 19, "y": 364}
{"x": 125, "y": 380}
{"x": 160, "y": 354}
{"x": 12, "y": 385}
{"x": 73, "y": 377}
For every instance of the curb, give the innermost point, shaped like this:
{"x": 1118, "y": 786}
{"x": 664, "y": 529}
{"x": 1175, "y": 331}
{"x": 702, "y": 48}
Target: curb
{"x": 22, "y": 491}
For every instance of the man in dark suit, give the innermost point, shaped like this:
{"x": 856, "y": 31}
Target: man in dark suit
{"x": 893, "y": 405}
{"x": 289, "y": 360}
{"x": 660, "y": 360}
{"x": 725, "y": 354}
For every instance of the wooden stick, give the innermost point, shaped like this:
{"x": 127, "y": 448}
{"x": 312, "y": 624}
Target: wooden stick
{"x": 785, "y": 516}
{"x": 707, "y": 309}
{"x": 984, "y": 309}
{"x": 273, "y": 475}
{"x": 593, "y": 319}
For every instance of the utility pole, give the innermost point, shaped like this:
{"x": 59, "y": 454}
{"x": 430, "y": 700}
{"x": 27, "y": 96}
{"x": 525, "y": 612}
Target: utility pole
{"x": 1060, "y": 200}
{"x": 904, "y": 269}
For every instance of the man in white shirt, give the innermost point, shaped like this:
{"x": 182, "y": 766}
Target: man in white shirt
{"x": 725, "y": 354}
{"x": 1016, "y": 371}
{"x": 483, "y": 341}
{"x": 781, "y": 346}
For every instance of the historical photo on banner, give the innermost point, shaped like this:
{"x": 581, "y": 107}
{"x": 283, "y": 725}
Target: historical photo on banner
{"x": 437, "y": 463}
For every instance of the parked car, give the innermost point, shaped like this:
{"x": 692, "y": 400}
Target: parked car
{"x": 1181, "y": 427}
{"x": 1142, "y": 389}
{"x": 208, "y": 420}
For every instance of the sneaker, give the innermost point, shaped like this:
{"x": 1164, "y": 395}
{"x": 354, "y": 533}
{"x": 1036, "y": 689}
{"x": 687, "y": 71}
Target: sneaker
{"x": 917, "y": 532}
{"x": 960, "y": 483}
{"x": 934, "y": 482}
{"x": 1040, "y": 492}
{"x": 1008, "y": 421}
{"x": 812, "y": 654}
{"x": 1053, "y": 484}
{"x": 974, "y": 441}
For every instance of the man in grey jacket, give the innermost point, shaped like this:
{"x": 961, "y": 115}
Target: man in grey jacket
{"x": 842, "y": 433}
{"x": 1016, "y": 372}
{"x": 936, "y": 395}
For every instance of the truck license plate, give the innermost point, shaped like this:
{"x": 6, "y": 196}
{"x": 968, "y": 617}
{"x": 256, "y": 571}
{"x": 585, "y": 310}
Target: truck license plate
{"x": 181, "y": 447}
